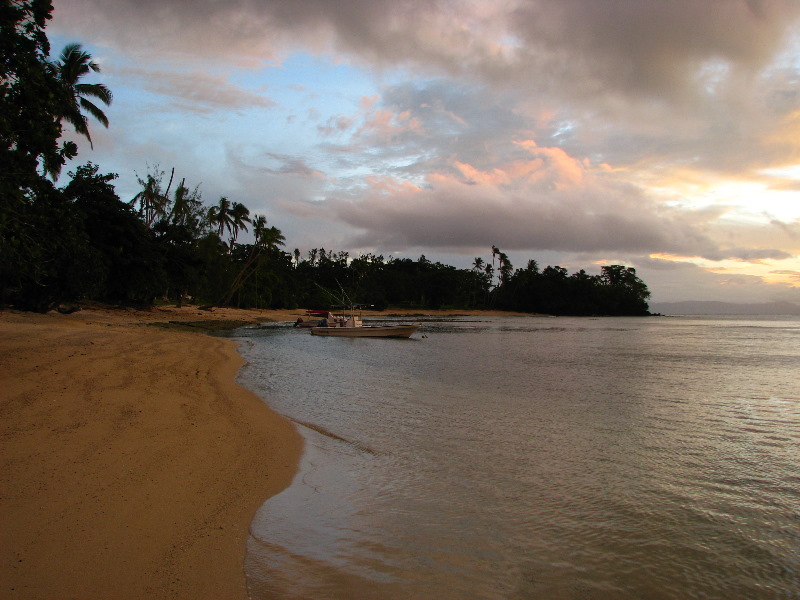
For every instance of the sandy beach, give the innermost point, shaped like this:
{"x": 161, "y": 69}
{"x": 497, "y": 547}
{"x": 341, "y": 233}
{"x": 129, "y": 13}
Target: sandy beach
{"x": 132, "y": 463}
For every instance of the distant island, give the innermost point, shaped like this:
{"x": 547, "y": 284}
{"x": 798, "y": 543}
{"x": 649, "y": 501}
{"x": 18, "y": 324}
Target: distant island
{"x": 705, "y": 307}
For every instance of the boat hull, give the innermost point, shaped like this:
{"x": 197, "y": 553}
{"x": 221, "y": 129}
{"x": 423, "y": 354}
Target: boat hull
{"x": 388, "y": 331}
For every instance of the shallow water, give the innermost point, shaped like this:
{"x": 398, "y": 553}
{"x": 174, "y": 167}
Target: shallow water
{"x": 535, "y": 458}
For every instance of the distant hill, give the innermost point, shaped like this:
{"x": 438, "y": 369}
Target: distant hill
{"x": 698, "y": 307}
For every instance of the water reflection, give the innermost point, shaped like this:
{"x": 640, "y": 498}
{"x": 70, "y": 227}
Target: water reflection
{"x": 555, "y": 458}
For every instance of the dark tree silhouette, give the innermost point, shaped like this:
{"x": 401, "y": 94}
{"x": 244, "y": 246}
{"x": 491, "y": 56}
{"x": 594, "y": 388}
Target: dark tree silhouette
{"x": 73, "y": 65}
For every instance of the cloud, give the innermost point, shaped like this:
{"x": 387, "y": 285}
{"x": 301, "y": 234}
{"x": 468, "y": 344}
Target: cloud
{"x": 667, "y": 80}
{"x": 572, "y": 128}
{"x": 752, "y": 255}
{"x": 203, "y": 31}
{"x": 654, "y": 48}
{"x": 663, "y": 50}
{"x": 289, "y": 165}
{"x": 792, "y": 230}
{"x": 197, "y": 91}
{"x": 549, "y": 202}
{"x": 335, "y": 125}
{"x": 792, "y": 275}
{"x": 673, "y": 281}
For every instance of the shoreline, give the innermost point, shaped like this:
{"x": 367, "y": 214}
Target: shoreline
{"x": 131, "y": 462}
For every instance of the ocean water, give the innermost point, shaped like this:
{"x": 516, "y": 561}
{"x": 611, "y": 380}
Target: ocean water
{"x": 535, "y": 458}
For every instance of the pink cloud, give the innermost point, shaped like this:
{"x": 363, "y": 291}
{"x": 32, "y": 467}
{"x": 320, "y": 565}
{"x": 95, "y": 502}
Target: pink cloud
{"x": 383, "y": 124}
{"x": 551, "y": 167}
{"x": 524, "y": 205}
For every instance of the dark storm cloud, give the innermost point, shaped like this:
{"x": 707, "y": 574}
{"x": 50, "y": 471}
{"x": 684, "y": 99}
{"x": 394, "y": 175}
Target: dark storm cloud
{"x": 649, "y": 47}
{"x": 653, "y": 48}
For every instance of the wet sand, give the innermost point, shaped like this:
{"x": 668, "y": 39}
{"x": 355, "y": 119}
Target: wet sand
{"x": 131, "y": 463}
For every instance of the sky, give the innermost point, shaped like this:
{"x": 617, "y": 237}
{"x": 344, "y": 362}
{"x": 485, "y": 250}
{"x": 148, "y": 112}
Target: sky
{"x": 662, "y": 135}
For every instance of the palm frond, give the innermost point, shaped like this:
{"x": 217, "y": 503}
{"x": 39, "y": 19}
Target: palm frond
{"x": 73, "y": 64}
{"x": 95, "y": 90}
{"x": 95, "y": 111}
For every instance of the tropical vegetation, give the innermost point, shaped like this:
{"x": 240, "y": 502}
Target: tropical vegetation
{"x": 81, "y": 241}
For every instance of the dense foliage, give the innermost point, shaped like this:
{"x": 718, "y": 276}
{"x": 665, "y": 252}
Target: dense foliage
{"x": 82, "y": 242}
{"x": 425, "y": 284}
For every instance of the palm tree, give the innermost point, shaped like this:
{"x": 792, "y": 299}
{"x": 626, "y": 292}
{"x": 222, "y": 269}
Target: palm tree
{"x": 533, "y": 266}
{"x": 267, "y": 240}
{"x": 183, "y": 204}
{"x": 259, "y": 225}
{"x": 152, "y": 200}
{"x": 505, "y": 267}
{"x": 220, "y": 215}
{"x": 271, "y": 238}
{"x": 489, "y": 270}
{"x": 73, "y": 64}
{"x": 239, "y": 216}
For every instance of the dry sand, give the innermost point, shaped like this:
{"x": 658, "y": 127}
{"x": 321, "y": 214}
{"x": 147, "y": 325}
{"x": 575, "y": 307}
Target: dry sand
{"x": 131, "y": 463}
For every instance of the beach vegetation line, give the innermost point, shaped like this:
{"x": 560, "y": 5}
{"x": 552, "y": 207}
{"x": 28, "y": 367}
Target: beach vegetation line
{"x": 79, "y": 241}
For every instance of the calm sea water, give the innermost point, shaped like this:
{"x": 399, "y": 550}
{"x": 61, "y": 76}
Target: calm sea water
{"x": 535, "y": 458}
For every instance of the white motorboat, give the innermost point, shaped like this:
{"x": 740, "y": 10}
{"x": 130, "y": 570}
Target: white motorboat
{"x": 352, "y": 325}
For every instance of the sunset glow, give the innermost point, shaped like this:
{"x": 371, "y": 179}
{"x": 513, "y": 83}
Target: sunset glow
{"x": 663, "y": 137}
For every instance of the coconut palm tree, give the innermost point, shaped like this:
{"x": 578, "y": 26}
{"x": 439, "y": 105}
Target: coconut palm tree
{"x": 489, "y": 270}
{"x": 186, "y": 205}
{"x": 271, "y": 238}
{"x": 505, "y": 267}
{"x": 267, "y": 239}
{"x": 152, "y": 201}
{"x": 259, "y": 225}
{"x": 220, "y": 215}
{"x": 73, "y": 64}
{"x": 240, "y": 215}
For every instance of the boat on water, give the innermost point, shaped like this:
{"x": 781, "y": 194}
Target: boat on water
{"x": 346, "y": 323}
{"x": 313, "y": 318}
